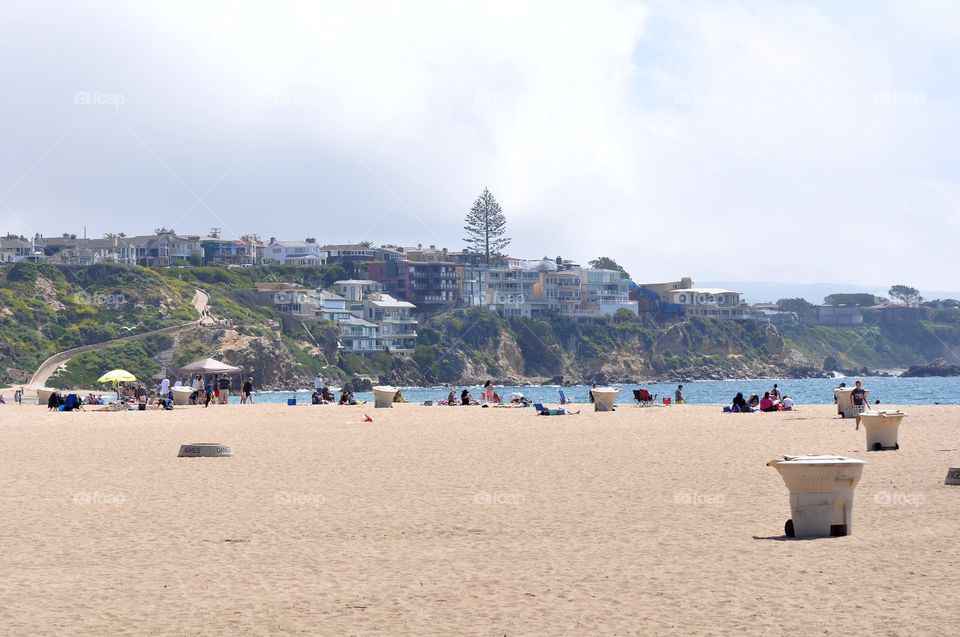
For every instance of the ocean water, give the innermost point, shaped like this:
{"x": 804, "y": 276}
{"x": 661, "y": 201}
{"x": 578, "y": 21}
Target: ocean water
{"x": 899, "y": 391}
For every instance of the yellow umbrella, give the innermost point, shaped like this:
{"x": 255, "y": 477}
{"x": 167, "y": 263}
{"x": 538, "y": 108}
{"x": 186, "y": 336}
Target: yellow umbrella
{"x": 117, "y": 376}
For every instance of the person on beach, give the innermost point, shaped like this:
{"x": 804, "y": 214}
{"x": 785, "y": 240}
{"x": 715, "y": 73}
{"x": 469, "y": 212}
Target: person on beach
{"x": 754, "y": 401}
{"x": 208, "y": 393}
{"x": 859, "y": 396}
{"x": 487, "y": 395}
{"x": 246, "y": 392}
{"x": 197, "y": 383}
{"x": 318, "y": 384}
{"x": 466, "y": 399}
{"x": 775, "y": 393}
{"x": 327, "y": 395}
{"x": 767, "y": 404}
{"x": 452, "y": 397}
{"x": 740, "y": 404}
{"x": 398, "y": 397}
{"x": 592, "y": 387}
{"x": 787, "y": 403}
{"x": 18, "y": 396}
{"x": 678, "y": 395}
{"x": 224, "y": 389}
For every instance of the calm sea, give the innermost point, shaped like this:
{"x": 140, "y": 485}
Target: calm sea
{"x": 899, "y": 391}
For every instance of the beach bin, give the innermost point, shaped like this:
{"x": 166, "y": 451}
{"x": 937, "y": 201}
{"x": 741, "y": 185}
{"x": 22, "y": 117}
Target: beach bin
{"x": 291, "y": 401}
{"x": 43, "y": 395}
{"x": 882, "y": 428}
{"x": 383, "y": 396}
{"x": 604, "y": 398}
{"x": 844, "y": 396}
{"x": 821, "y": 493}
{"x": 666, "y": 400}
{"x": 181, "y": 395}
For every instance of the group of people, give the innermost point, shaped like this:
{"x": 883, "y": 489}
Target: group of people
{"x": 488, "y": 396}
{"x": 772, "y": 400}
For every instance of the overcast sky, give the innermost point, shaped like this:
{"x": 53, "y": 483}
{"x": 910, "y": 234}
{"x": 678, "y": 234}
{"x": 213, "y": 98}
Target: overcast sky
{"x": 773, "y": 141}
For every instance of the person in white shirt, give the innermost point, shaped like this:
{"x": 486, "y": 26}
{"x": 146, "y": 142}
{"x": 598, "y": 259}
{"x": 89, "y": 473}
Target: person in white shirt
{"x": 318, "y": 383}
{"x": 179, "y": 383}
{"x": 787, "y": 403}
{"x": 197, "y": 384}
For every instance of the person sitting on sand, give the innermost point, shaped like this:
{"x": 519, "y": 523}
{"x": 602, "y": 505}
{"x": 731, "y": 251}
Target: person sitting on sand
{"x": 346, "y": 397}
{"x": 398, "y": 397}
{"x": 316, "y": 398}
{"x": 466, "y": 399}
{"x": 327, "y": 395}
{"x": 496, "y": 398}
{"x": 740, "y": 404}
{"x": 754, "y": 401}
{"x": 767, "y": 404}
{"x": 452, "y": 397}
{"x": 787, "y": 403}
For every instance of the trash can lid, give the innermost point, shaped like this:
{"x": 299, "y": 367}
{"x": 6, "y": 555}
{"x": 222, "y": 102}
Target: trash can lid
{"x": 604, "y": 389}
{"x": 384, "y": 388}
{"x": 817, "y": 460}
{"x": 884, "y": 412}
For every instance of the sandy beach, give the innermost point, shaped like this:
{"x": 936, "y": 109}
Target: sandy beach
{"x": 443, "y": 520}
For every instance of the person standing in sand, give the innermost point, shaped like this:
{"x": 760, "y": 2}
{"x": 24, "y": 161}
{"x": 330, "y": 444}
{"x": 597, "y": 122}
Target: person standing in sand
{"x": 246, "y": 392}
{"x": 859, "y": 397}
{"x": 678, "y": 395}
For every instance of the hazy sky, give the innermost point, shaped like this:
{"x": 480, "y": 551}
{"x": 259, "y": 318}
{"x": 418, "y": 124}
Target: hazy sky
{"x": 774, "y": 141}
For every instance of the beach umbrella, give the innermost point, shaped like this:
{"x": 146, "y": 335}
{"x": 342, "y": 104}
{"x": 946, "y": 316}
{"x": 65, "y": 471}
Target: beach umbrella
{"x": 209, "y": 366}
{"x": 117, "y": 376}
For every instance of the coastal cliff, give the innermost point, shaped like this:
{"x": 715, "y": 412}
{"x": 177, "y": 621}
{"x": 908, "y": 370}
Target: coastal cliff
{"x": 46, "y": 309}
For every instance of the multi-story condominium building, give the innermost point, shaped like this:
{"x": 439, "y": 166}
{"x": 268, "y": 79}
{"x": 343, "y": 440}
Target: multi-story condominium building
{"x": 604, "y": 292}
{"x": 359, "y": 336}
{"x": 14, "y": 249}
{"x": 520, "y": 288}
{"x": 294, "y": 253}
{"x": 710, "y": 302}
{"x": 472, "y": 284}
{"x": 431, "y": 283}
{"x": 355, "y": 253}
{"x": 244, "y": 251}
{"x": 398, "y": 329}
{"x": 354, "y": 290}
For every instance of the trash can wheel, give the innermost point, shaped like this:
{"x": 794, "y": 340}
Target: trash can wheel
{"x": 788, "y": 528}
{"x": 877, "y": 446}
{"x": 896, "y": 445}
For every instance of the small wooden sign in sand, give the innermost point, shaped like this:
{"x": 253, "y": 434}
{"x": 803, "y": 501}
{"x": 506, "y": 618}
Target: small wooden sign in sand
{"x": 953, "y": 476}
{"x": 205, "y": 450}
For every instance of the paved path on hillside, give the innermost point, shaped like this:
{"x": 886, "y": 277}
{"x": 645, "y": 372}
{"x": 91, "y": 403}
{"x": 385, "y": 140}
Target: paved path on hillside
{"x": 199, "y": 302}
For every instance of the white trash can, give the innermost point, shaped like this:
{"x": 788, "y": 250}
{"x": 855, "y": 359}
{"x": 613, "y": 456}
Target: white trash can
{"x": 821, "y": 493}
{"x": 604, "y": 398}
{"x": 181, "y": 395}
{"x": 882, "y": 428}
{"x": 844, "y": 396}
{"x": 43, "y": 395}
{"x": 383, "y": 396}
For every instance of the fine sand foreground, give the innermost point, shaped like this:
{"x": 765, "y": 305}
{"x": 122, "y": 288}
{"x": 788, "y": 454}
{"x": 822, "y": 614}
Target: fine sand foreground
{"x": 444, "y": 520}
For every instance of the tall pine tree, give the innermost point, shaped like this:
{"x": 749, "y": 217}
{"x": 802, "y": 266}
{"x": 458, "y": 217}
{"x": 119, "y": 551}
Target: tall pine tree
{"x": 486, "y": 226}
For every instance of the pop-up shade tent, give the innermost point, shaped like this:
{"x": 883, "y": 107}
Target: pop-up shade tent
{"x": 209, "y": 366}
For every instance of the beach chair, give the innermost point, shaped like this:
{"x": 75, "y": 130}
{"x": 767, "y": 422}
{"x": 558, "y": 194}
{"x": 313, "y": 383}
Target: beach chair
{"x": 643, "y": 397}
{"x": 563, "y": 399}
{"x": 72, "y": 402}
{"x": 539, "y": 407}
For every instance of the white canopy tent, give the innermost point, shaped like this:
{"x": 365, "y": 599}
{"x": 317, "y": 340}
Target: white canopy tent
{"x": 209, "y": 366}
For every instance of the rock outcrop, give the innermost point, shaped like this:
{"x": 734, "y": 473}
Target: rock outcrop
{"x": 939, "y": 367}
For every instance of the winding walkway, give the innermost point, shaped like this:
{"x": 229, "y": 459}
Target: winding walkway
{"x": 39, "y": 379}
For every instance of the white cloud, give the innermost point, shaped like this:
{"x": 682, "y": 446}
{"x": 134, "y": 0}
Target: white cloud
{"x": 727, "y": 141}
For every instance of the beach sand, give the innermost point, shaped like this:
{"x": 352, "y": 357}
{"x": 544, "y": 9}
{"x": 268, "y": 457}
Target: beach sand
{"x": 444, "y": 520}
